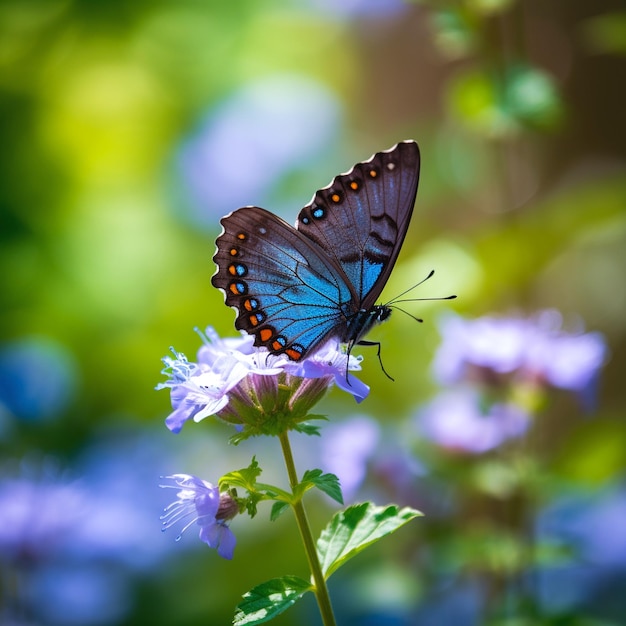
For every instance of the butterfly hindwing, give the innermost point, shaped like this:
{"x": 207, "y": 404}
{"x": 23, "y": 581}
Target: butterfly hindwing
{"x": 286, "y": 291}
{"x": 294, "y": 288}
{"x": 361, "y": 218}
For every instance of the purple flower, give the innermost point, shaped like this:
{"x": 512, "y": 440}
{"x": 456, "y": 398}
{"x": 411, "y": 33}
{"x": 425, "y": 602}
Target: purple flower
{"x": 235, "y": 381}
{"x": 456, "y": 420}
{"x": 346, "y": 450}
{"x": 284, "y": 121}
{"x": 359, "y": 9}
{"x": 38, "y": 517}
{"x": 37, "y": 378}
{"x": 63, "y": 538}
{"x": 532, "y": 350}
{"x": 201, "y": 503}
{"x": 329, "y": 361}
{"x": 588, "y": 525}
{"x": 198, "y": 390}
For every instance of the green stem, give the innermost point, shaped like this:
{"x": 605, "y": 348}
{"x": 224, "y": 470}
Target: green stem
{"x": 321, "y": 590}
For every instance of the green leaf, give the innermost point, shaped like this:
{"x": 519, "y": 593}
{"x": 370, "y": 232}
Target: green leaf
{"x": 273, "y": 493}
{"x": 357, "y": 527}
{"x": 309, "y": 429}
{"x": 269, "y": 599}
{"x": 251, "y": 503}
{"x": 328, "y": 483}
{"x": 278, "y": 508}
{"x": 237, "y": 438}
{"x": 245, "y": 477}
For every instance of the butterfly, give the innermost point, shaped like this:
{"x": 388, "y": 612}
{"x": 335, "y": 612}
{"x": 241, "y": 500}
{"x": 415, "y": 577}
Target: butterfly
{"x": 296, "y": 288}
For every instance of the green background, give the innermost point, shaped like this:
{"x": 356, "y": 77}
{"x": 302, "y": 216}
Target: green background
{"x": 106, "y": 246}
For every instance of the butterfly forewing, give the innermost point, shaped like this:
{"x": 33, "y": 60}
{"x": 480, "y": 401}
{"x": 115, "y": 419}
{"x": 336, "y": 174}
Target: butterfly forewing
{"x": 284, "y": 288}
{"x": 294, "y": 288}
{"x": 362, "y": 217}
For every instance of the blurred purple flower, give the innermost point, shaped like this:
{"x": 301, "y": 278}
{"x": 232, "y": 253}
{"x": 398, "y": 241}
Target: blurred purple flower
{"x": 370, "y": 463}
{"x": 37, "y": 378}
{"x": 398, "y": 473}
{"x": 41, "y": 518}
{"x": 592, "y": 522}
{"x": 346, "y": 449}
{"x": 451, "y": 601}
{"x": 591, "y": 531}
{"x": 457, "y": 420}
{"x": 38, "y": 517}
{"x": 360, "y": 8}
{"x": 265, "y": 130}
{"x": 232, "y": 369}
{"x": 79, "y": 594}
{"x": 534, "y": 350}
{"x": 201, "y": 503}
{"x": 122, "y": 495}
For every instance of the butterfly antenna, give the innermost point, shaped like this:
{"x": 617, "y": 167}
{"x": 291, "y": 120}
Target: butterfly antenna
{"x": 397, "y": 300}
{"x": 394, "y": 302}
{"x": 413, "y": 317}
{"x": 411, "y": 288}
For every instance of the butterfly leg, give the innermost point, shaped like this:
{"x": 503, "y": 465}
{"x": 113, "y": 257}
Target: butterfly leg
{"x": 364, "y": 342}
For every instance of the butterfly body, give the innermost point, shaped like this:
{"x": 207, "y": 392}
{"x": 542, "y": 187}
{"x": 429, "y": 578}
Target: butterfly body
{"x": 296, "y": 288}
{"x": 359, "y": 324}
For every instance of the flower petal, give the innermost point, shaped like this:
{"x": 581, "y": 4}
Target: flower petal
{"x": 218, "y": 536}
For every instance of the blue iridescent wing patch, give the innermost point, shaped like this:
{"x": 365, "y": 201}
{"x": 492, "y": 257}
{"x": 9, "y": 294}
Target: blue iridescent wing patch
{"x": 296, "y": 288}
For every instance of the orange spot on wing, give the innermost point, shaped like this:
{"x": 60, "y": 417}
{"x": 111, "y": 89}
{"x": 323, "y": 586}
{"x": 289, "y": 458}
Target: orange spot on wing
{"x": 242, "y": 236}
{"x": 234, "y": 252}
{"x": 335, "y": 197}
{"x": 233, "y": 289}
{"x": 294, "y": 355}
{"x": 354, "y": 185}
{"x": 265, "y": 334}
{"x": 373, "y": 173}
